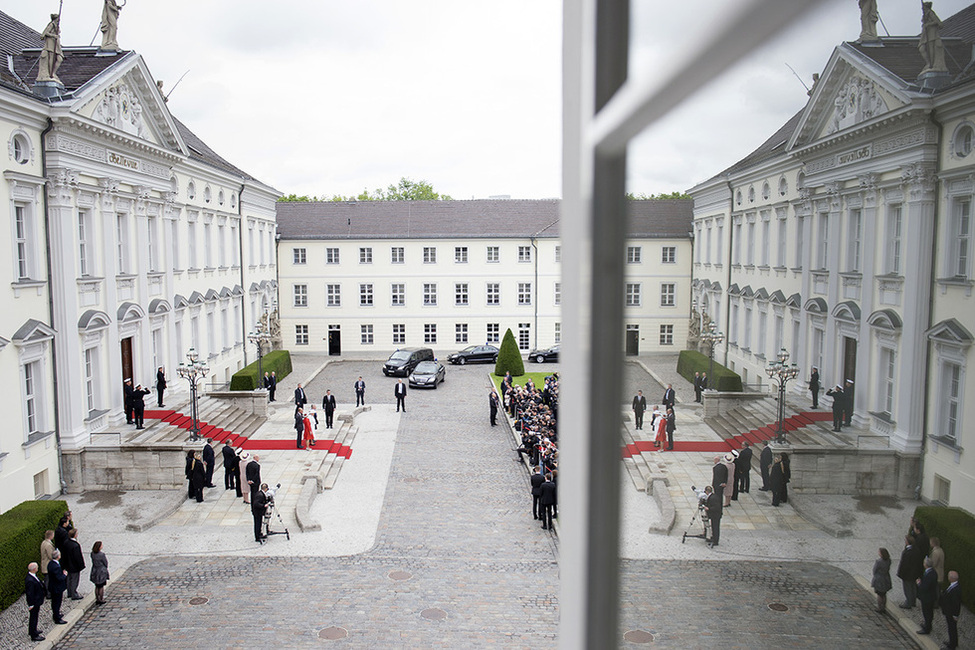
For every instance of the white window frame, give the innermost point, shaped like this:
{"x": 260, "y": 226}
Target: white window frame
{"x": 461, "y": 294}
{"x": 634, "y": 254}
{"x": 887, "y": 377}
{"x": 397, "y": 294}
{"x": 397, "y": 255}
{"x": 960, "y": 238}
{"x": 299, "y": 256}
{"x": 430, "y": 333}
{"x": 399, "y": 333}
{"x": 493, "y": 254}
{"x": 300, "y": 293}
{"x": 854, "y": 241}
{"x": 460, "y": 333}
{"x": 668, "y": 254}
{"x": 332, "y": 255}
{"x": 429, "y": 294}
{"x": 366, "y": 334}
{"x": 557, "y": 294}
{"x": 493, "y": 293}
{"x": 301, "y": 335}
{"x": 524, "y": 336}
{"x": 122, "y": 243}
{"x": 524, "y": 293}
{"x": 894, "y": 232}
{"x": 492, "y": 333}
{"x": 366, "y": 294}
{"x": 460, "y": 254}
{"x": 633, "y": 294}
{"x": 668, "y": 294}
{"x": 524, "y": 254}
{"x": 666, "y": 334}
{"x": 429, "y": 254}
{"x": 333, "y": 295}
{"x": 365, "y": 255}
{"x": 86, "y": 260}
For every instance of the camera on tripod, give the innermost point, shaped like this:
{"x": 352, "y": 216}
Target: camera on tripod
{"x": 702, "y": 512}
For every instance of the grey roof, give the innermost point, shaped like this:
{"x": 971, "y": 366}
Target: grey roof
{"x": 490, "y": 218}
{"x": 201, "y": 151}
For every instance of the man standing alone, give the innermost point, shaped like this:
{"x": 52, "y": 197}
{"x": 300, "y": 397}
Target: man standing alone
{"x": 698, "y": 387}
{"x": 715, "y": 511}
{"x": 639, "y": 406}
{"x": 209, "y": 459}
{"x": 328, "y": 403}
{"x": 360, "y": 392}
{"x": 669, "y": 397}
{"x": 838, "y": 400}
{"x": 258, "y": 508}
{"x": 814, "y": 386}
{"x": 951, "y": 608}
{"x": 494, "y": 403}
{"x": 300, "y": 399}
{"x": 35, "y": 598}
{"x": 399, "y": 392}
{"x": 743, "y": 468}
{"x": 160, "y": 386}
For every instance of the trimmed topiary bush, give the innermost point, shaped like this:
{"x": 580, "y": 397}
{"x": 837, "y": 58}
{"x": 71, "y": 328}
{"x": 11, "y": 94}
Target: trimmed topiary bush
{"x": 723, "y": 380}
{"x": 278, "y": 362}
{"x": 21, "y": 533}
{"x": 956, "y": 530}
{"x": 509, "y": 357}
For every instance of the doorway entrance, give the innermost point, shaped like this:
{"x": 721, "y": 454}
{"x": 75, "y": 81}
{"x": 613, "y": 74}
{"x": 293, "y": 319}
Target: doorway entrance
{"x": 632, "y": 340}
{"x": 127, "y": 370}
{"x": 334, "y": 341}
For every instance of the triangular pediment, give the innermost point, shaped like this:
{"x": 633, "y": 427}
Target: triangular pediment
{"x": 853, "y": 90}
{"x": 125, "y": 98}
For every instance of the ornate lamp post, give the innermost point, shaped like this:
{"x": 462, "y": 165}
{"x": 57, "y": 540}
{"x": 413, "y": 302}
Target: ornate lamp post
{"x": 781, "y": 372}
{"x": 259, "y": 337}
{"x": 711, "y": 338}
{"x": 193, "y": 372}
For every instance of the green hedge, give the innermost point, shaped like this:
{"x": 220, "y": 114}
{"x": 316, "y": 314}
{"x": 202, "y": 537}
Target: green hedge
{"x": 956, "y": 530}
{"x": 723, "y": 380}
{"x": 509, "y": 357}
{"x": 246, "y": 378}
{"x": 21, "y": 533}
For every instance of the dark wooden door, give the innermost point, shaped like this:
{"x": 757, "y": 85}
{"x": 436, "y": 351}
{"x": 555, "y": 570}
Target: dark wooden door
{"x": 127, "y": 370}
{"x": 334, "y": 342}
{"x": 849, "y": 358}
{"x": 632, "y": 343}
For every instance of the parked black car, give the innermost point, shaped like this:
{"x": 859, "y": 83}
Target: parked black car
{"x": 544, "y": 356}
{"x": 475, "y": 354}
{"x": 427, "y": 374}
{"x": 403, "y": 361}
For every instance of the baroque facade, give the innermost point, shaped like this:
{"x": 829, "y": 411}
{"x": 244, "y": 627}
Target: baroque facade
{"x": 130, "y": 241}
{"x": 846, "y": 238}
{"x": 374, "y": 276}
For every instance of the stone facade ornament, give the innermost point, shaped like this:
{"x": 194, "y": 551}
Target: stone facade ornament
{"x": 930, "y": 45}
{"x": 51, "y": 54}
{"x": 868, "y": 21}
{"x": 857, "y": 101}
{"x": 120, "y": 108}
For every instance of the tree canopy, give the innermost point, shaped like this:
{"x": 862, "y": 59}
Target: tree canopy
{"x": 656, "y": 197}
{"x": 406, "y": 190}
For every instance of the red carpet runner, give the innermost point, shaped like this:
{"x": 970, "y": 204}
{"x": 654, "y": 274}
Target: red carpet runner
{"x": 754, "y": 437}
{"x": 220, "y": 435}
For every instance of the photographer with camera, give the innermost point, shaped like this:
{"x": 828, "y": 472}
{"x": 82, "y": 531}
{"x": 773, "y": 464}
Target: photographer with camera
{"x": 715, "y": 508}
{"x": 259, "y": 505}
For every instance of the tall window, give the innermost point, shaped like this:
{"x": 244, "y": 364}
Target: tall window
{"x": 666, "y": 335}
{"x": 887, "y": 368}
{"x": 234, "y": 244}
{"x": 301, "y": 295}
{"x": 856, "y": 232}
{"x": 524, "y": 293}
{"x": 819, "y": 340}
{"x": 121, "y": 243}
{"x": 668, "y": 294}
{"x": 90, "y": 378}
{"x": 331, "y": 255}
{"x": 397, "y": 294}
{"x": 762, "y": 332}
{"x": 85, "y": 261}
{"x": 892, "y": 262}
{"x": 558, "y": 254}
{"x": 301, "y": 335}
{"x": 399, "y": 334}
{"x": 493, "y": 254}
{"x": 634, "y": 254}
{"x": 31, "y": 370}
{"x": 493, "y": 293}
{"x": 333, "y": 295}
{"x": 174, "y": 244}
{"x": 430, "y": 333}
{"x": 460, "y": 293}
{"x": 23, "y": 243}
{"x": 221, "y": 244}
{"x": 299, "y": 255}
{"x": 668, "y": 254}
{"x": 493, "y": 334}
{"x": 751, "y": 244}
{"x": 211, "y": 334}
{"x": 208, "y": 246}
{"x": 766, "y": 241}
{"x": 558, "y": 332}
{"x": 961, "y": 245}
{"x": 823, "y": 251}
{"x": 781, "y": 231}
{"x": 430, "y": 294}
{"x": 397, "y": 255}
{"x": 779, "y": 333}
{"x": 632, "y": 294}
{"x": 800, "y": 241}
{"x": 191, "y": 241}
{"x": 558, "y": 293}
{"x": 524, "y": 253}
{"x": 429, "y": 254}
{"x": 736, "y": 250}
{"x": 365, "y": 255}
{"x": 708, "y": 246}
{"x": 151, "y": 253}
{"x": 460, "y": 333}
{"x": 733, "y": 334}
{"x": 460, "y": 254}
{"x": 746, "y": 333}
{"x": 524, "y": 336}
{"x": 720, "y": 251}
{"x": 366, "y": 334}
{"x": 365, "y": 295}
{"x": 951, "y": 400}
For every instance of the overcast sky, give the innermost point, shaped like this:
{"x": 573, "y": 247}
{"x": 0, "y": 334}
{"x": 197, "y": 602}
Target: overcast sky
{"x": 332, "y": 97}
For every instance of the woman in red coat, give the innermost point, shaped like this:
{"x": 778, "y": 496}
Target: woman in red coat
{"x": 661, "y": 438}
{"x": 309, "y": 437}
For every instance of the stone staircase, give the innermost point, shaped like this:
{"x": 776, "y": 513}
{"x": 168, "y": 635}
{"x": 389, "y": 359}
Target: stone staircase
{"x": 321, "y": 473}
{"x": 757, "y": 423}
{"x": 216, "y": 419}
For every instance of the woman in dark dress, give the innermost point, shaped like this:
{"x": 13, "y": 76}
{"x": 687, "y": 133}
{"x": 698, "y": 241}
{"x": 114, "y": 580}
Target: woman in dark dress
{"x": 881, "y": 579}
{"x": 99, "y": 572}
{"x": 786, "y": 476}
{"x": 198, "y": 477}
{"x": 189, "y": 475}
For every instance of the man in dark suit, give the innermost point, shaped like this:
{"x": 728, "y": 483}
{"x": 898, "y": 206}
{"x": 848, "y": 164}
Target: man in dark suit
{"x": 160, "y": 386}
{"x": 909, "y": 570}
{"x": 360, "y": 392}
{"x": 253, "y": 476}
{"x": 231, "y": 466}
{"x": 300, "y": 399}
{"x": 671, "y": 427}
{"x": 669, "y": 397}
{"x": 776, "y": 480}
{"x": 927, "y": 593}
{"x": 547, "y": 499}
{"x": 73, "y": 561}
{"x": 299, "y": 426}
{"x": 719, "y": 475}
{"x": 57, "y": 583}
{"x": 266, "y": 382}
{"x": 765, "y": 463}
{"x": 209, "y": 459}
{"x": 495, "y": 404}
{"x": 639, "y": 406}
{"x": 951, "y": 608}
{"x": 127, "y": 399}
{"x": 35, "y": 592}
{"x": 848, "y": 403}
{"x": 837, "y": 394}
{"x": 536, "y": 490}
{"x": 258, "y": 508}
{"x": 715, "y": 508}
{"x": 743, "y": 467}
{"x": 697, "y": 387}
{"x": 139, "y": 406}
{"x": 272, "y": 385}
{"x": 399, "y": 392}
{"x": 814, "y": 386}
{"x": 328, "y": 403}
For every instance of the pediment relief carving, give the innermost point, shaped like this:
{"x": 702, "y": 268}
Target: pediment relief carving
{"x": 121, "y": 108}
{"x": 858, "y": 100}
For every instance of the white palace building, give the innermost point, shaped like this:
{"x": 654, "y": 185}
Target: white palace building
{"x": 128, "y": 241}
{"x": 847, "y": 239}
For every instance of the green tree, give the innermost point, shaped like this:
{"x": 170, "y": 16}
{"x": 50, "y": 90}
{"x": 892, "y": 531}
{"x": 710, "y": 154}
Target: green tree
{"x": 509, "y": 357}
{"x": 294, "y": 198}
{"x": 655, "y": 197}
{"x": 406, "y": 190}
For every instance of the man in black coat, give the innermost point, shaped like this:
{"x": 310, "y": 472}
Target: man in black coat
{"x": 299, "y": 426}
{"x": 494, "y": 403}
{"x": 909, "y": 570}
{"x": 743, "y": 467}
{"x": 198, "y": 476}
{"x": 231, "y": 466}
{"x": 139, "y": 406}
{"x": 765, "y": 463}
{"x": 547, "y": 500}
{"x": 73, "y": 561}
{"x": 719, "y": 475}
{"x": 951, "y": 608}
{"x": 399, "y": 392}
{"x": 63, "y": 532}
{"x": 253, "y": 476}
{"x": 671, "y": 427}
{"x": 127, "y": 399}
{"x": 776, "y": 481}
{"x": 698, "y": 388}
{"x": 57, "y": 583}
{"x": 639, "y": 406}
{"x": 160, "y": 386}
{"x": 536, "y": 490}
{"x": 258, "y": 508}
{"x": 360, "y": 392}
{"x": 669, "y": 397}
{"x": 814, "y": 386}
{"x": 328, "y": 403}
{"x": 300, "y": 399}
{"x": 927, "y": 593}
{"x": 272, "y": 385}
{"x": 715, "y": 510}
{"x": 838, "y": 400}
{"x": 848, "y": 403}
{"x": 35, "y": 592}
{"x": 209, "y": 459}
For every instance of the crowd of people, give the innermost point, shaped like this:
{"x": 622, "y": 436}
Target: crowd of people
{"x": 59, "y": 572}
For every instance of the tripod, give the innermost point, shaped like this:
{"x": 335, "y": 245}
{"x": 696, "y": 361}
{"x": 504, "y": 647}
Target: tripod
{"x": 268, "y": 512}
{"x": 702, "y": 512}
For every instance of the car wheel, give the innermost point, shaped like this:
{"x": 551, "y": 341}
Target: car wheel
{"x": 462, "y": 361}
{"x": 435, "y": 385}
{"x": 540, "y": 359}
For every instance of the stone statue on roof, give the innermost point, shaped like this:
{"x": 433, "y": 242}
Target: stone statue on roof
{"x": 868, "y": 20}
{"x": 109, "y": 26}
{"x": 51, "y": 54}
{"x": 930, "y": 45}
